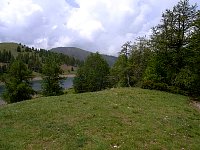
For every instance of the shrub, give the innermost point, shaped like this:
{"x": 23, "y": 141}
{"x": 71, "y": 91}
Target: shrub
{"x": 177, "y": 90}
{"x": 148, "y": 84}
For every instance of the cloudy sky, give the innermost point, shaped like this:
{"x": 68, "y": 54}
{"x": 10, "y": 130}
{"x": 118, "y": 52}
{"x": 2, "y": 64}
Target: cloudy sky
{"x": 94, "y": 25}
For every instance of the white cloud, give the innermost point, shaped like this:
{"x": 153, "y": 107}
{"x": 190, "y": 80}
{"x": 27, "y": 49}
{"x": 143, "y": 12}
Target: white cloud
{"x": 17, "y": 11}
{"x": 95, "y": 25}
{"x": 41, "y": 42}
{"x": 85, "y": 24}
{"x": 63, "y": 40}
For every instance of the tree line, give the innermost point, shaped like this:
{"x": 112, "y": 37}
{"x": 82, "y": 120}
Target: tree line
{"x": 18, "y": 85}
{"x": 168, "y": 60}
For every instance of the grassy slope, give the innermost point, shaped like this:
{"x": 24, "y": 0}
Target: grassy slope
{"x": 127, "y": 118}
{"x": 9, "y": 47}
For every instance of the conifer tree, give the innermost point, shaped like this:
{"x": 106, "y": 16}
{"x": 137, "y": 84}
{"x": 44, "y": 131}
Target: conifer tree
{"x": 17, "y": 83}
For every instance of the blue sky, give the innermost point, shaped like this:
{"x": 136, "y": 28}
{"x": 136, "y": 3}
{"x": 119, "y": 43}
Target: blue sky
{"x": 94, "y": 25}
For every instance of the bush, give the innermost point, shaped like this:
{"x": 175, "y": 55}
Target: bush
{"x": 177, "y": 90}
{"x": 161, "y": 86}
{"x": 148, "y": 84}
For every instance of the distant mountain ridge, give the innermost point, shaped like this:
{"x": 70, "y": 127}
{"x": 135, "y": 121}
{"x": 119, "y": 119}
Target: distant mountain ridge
{"x": 75, "y": 52}
{"x": 81, "y": 54}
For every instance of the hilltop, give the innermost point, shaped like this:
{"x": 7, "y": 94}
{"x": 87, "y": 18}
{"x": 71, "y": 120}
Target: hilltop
{"x": 12, "y": 47}
{"x": 8, "y": 46}
{"x": 125, "y": 118}
{"x": 82, "y": 54}
{"x": 34, "y": 58}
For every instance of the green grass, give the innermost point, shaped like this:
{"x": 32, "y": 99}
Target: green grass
{"x": 8, "y": 46}
{"x": 12, "y": 47}
{"x": 126, "y": 118}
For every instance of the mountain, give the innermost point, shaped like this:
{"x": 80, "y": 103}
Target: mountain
{"x": 81, "y": 54}
{"x": 77, "y": 53}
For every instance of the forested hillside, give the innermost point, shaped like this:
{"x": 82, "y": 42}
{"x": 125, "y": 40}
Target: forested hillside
{"x": 82, "y": 54}
{"x": 32, "y": 57}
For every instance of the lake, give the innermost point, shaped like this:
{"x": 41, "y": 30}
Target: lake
{"x": 36, "y": 84}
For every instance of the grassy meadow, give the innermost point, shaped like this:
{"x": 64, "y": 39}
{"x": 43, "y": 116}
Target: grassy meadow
{"x": 12, "y": 47}
{"x": 124, "y": 118}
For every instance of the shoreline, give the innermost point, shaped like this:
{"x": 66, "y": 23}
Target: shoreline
{"x": 64, "y": 76}
{"x": 2, "y": 102}
{"x": 40, "y": 78}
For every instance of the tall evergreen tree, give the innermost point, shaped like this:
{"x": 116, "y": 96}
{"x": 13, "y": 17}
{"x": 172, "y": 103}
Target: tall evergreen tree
{"x": 17, "y": 83}
{"x": 120, "y": 72}
{"x": 131, "y": 63}
{"x": 51, "y": 72}
{"x": 92, "y": 76}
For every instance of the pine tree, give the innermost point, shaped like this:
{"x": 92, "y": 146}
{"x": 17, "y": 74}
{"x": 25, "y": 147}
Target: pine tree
{"x": 17, "y": 83}
{"x": 18, "y": 48}
{"x": 51, "y": 72}
{"x": 92, "y": 76}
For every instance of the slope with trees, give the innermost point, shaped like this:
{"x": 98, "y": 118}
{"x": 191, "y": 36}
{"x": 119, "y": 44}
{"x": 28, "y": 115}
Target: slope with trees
{"x": 32, "y": 57}
{"x": 81, "y": 54}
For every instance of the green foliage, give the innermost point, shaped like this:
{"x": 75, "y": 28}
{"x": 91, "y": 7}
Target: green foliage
{"x": 17, "y": 83}
{"x": 184, "y": 79}
{"x": 131, "y": 64}
{"x": 6, "y": 56}
{"x": 19, "y": 48}
{"x": 92, "y": 76}
{"x": 176, "y": 57}
{"x": 170, "y": 60}
{"x": 51, "y": 72}
{"x": 148, "y": 84}
{"x": 119, "y": 71}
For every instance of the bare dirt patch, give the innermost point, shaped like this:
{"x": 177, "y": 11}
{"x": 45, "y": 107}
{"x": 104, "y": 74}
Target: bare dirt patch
{"x": 2, "y": 102}
{"x": 196, "y": 104}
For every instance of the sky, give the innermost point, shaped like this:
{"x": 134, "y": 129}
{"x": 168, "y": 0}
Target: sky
{"x": 93, "y": 25}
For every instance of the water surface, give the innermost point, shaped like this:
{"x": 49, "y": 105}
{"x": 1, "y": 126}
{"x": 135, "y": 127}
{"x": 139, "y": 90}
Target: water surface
{"x": 36, "y": 84}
